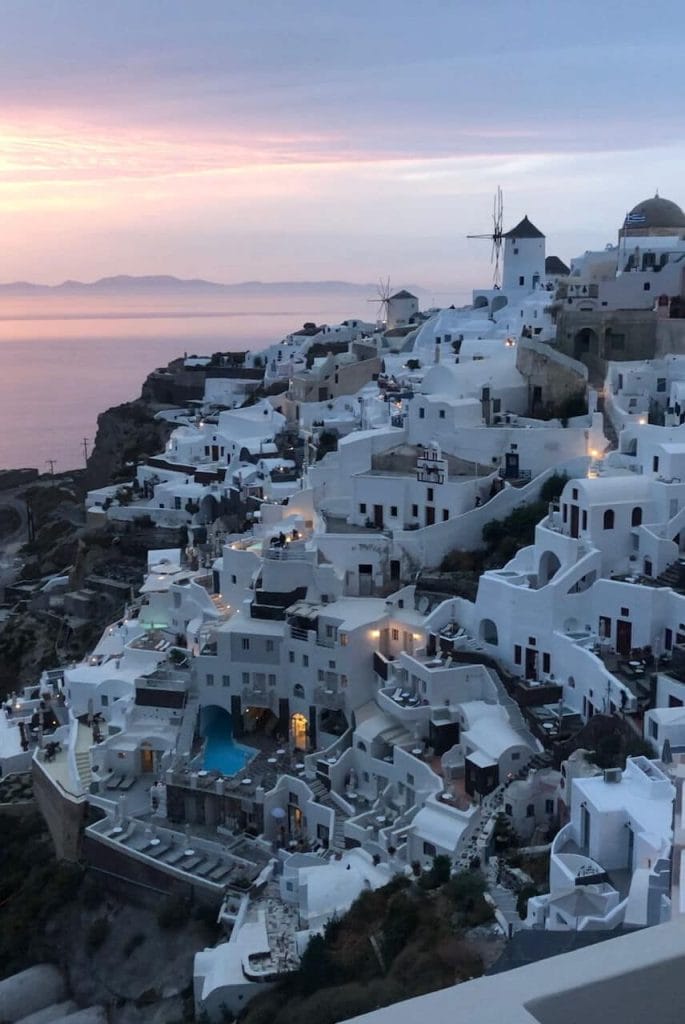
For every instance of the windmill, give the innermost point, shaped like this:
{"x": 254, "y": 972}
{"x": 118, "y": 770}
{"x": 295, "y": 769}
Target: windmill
{"x": 495, "y": 235}
{"x": 383, "y": 299}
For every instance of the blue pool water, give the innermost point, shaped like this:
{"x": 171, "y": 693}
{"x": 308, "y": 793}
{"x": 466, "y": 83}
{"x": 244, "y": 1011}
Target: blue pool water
{"x": 222, "y": 753}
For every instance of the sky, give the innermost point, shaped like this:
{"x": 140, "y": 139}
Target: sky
{"x": 318, "y": 139}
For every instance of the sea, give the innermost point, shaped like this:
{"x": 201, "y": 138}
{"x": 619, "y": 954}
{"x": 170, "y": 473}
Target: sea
{"x": 64, "y": 359}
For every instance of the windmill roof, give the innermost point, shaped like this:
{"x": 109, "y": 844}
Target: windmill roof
{"x": 524, "y": 229}
{"x": 553, "y": 265}
{"x": 404, "y": 294}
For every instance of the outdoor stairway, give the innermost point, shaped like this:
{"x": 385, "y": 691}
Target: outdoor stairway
{"x": 321, "y": 795}
{"x": 83, "y": 768}
{"x": 318, "y": 789}
{"x": 670, "y": 577}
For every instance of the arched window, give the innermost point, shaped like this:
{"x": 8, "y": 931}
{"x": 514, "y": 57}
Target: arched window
{"x": 636, "y": 516}
{"x": 609, "y": 519}
{"x": 298, "y": 690}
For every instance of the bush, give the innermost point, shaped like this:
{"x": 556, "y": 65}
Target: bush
{"x": 97, "y": 933}
{"x": 400, "y": 922}
{"x": 553, "y": 486}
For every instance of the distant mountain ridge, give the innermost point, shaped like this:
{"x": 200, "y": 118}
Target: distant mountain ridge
{"x": 126, "y": 284}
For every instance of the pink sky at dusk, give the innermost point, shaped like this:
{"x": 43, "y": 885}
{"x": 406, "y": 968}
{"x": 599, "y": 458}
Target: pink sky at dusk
{"x": 309, "y": 141}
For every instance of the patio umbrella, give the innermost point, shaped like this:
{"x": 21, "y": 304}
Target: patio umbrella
{"x": 277, "y": 812}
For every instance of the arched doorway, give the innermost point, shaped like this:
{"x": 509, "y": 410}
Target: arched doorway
{"x": 499, "y": 302}
{"x": 549, "y": 566}
{"x": 299, "y": 731}
{"x": 488, "y": 632}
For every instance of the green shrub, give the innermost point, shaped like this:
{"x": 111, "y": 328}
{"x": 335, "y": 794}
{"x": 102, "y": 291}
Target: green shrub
{"x": 553, "y": 486}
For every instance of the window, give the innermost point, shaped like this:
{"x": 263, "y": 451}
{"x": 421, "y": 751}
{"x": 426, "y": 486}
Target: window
{"x": 415, "y": 510}
{"x": 293, "y": 799}
{"x": 226, "y": 681}
{"x": 636, "y": 516}
{"x": 429, "y": 850}
{"x": 530, "y": 811}
{"x": 574, "y": 494}
{"x": 655, "y": 464}
{"x": 545, "y": 661}
{"x": 661, "y": 384}
{"x": 516, "y": 251}
{"x": 517, "y": 654}
{"x": 393, "y": 511}
{"x": 234, "y": 578}
{"x": 584, "y": 520}
{"x": 305, "y": 660}
{"x": 422, "y": 413}
{"x": 445, "y": 515}
{"x": 331, "y": 665}
{"x": 177, "y": 600}
{"x": 605, "y": 627}
{"x": 269, "y": 645}
{"x": 430, "y": 494}
{"x": 549, "y": 806}
{"x": 330, "y": 632}
{"x": 395, "y": 634}
{"x": 410, "y": 779}
{"x": 291, "y": 657}
{"x": 522, "y": 281}
{"x": 272, "y": 679}
{"x": 654, "y": 730}
{"x": 516, "y": 756}
{"x": 646, "y": 286}
{"x": 441, "y": 414}
{"x": 608, "y": 519}
{"x": 497, "y": 405}
{"x": 362, "y": 508}
{"x": 246, "y": 643}
{"x": 625, "y": 612}
{"x": 343, "y": 680}
{"x": 298, "y": 691}
{"x": 320, "y": 675}
{"x": 246, "y": 678}
{"x": 210, "y": 679}
{"x": 531, "y": 641}
{"x": 104, "y": 700}
{"x": 342, "y": 638}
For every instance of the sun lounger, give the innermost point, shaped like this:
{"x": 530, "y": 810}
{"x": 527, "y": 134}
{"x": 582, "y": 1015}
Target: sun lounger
{"x": 204, "y": 869}
{"x": 220, "y": 873}
{"x": 397, "y": 694}
{"x": 175, "y": 857}
{"x": 114, "y": 781}
{"x": 158, "y": 851}
{"x": 127, "y": 833}
{"x": 127, "y": 782}
{"x": 191, "y": 863}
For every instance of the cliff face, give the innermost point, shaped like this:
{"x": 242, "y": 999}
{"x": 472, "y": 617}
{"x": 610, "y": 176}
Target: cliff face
{"x": 125, "y": 434}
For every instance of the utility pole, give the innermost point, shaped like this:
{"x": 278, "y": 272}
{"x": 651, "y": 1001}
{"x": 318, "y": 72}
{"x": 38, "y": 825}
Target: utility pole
{"x": 85, "y": 450}
{"x": 51, "y": 463}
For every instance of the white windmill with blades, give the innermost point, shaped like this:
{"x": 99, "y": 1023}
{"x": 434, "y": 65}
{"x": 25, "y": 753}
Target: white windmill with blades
{"x": 382, "y": 300}
{"x": 496, "y": 236}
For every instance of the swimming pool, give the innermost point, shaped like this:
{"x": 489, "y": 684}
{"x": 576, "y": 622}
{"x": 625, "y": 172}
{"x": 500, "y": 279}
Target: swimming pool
{"x": 222, "y": 753}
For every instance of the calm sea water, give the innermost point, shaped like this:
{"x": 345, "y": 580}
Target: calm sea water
{"x": 66, "y": 360}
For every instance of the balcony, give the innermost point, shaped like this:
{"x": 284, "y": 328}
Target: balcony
{"x": 259, "y": 697}
{"x": 331, "y": 699}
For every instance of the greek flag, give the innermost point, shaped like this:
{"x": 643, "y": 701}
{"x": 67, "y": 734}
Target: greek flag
{"x": 635, "y": 218}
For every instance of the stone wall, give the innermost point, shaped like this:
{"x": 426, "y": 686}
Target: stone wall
{"x": 598, "y": 337}
{"x": 556, "y": 374}
{"x": 63, "y": 816}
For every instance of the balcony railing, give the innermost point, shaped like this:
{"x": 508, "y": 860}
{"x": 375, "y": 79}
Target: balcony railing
{"x": 259, "y": 696}
{"x": 328, "y": 698}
